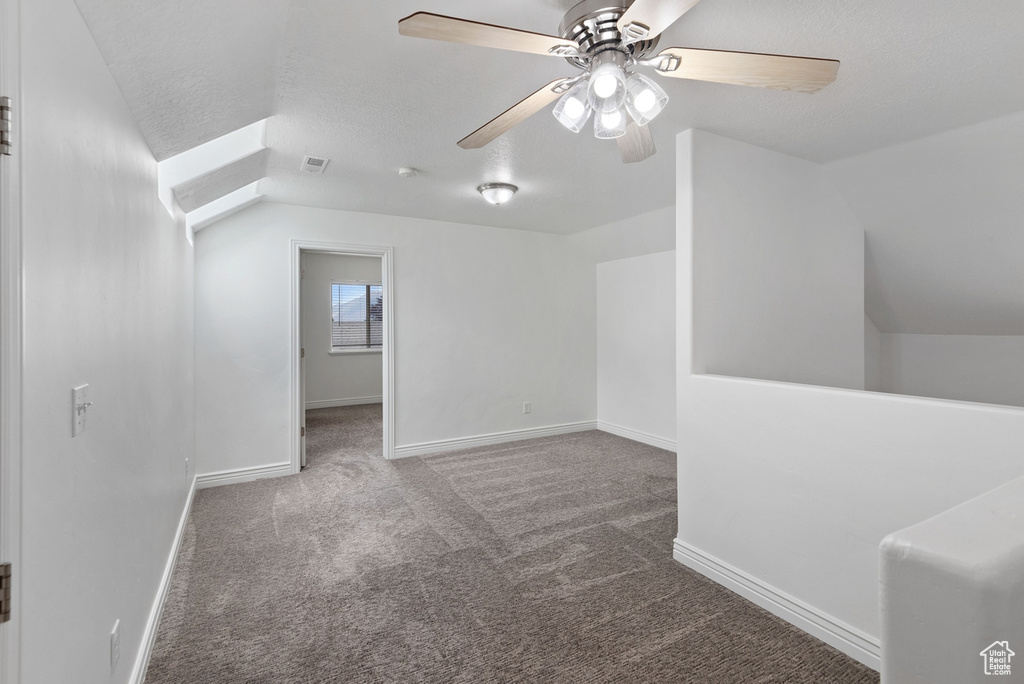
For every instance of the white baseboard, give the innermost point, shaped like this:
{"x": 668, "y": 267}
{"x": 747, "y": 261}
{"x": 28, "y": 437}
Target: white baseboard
{"x": 439, "y": 446}
{"x": 836, "y": 633}
{"x": 354, "y": 401}
{"x": 226, "y": 477}
{"x": 637, "y": 436}
{"x": 138, "y": 675}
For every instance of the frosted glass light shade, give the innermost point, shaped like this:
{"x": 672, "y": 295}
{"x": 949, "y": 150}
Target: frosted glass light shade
{"x": 573, "y": 109}
{"x": 607, "y": 88}
{"x": 610, "y": 124}
{"x": 497, "y": 193}
{"x": 644, "y": 98}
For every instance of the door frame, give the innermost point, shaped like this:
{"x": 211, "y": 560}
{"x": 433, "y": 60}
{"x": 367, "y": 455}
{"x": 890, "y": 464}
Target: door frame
{"x": 295, "y": 347}
{"x": 11, "y": 331}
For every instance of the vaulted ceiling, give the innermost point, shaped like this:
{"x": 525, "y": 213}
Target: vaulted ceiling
{"x": 337, "y": 80}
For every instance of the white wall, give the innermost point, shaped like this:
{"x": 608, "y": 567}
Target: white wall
{"x": 648, "y": 233}
{"x": 982, "y": 368}
{"x": 636, "y": 363}
{"x": 950, "y": 587}
{"x": 521, "y": 328}
{"x": 108, "y": 300}
{"x": 942, "y": 217}
{"x": 338, "y": 379}
{"x": 786, "y": 490}
{"x": 872, "y": 356}
{"x": 778, "y": 269}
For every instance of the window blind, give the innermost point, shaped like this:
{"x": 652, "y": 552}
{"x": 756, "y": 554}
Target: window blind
{"x": 357, "y": 316}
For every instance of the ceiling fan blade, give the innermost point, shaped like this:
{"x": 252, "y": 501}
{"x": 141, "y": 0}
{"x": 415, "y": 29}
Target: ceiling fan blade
{"x": 637, "y": 144}
{"x": 648, "y": 18}
{"x": 454, "y": 30}
{"x": 514, "y": 116}
{"x": 779, "y": 72}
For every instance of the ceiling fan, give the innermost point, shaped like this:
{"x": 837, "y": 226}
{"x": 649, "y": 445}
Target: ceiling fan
{"x": 608, "y": 40}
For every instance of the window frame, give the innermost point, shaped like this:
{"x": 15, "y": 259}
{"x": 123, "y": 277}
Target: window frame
{"x": 341, "y": 351}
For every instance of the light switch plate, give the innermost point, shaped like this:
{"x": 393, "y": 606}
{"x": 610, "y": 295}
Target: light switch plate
{"x": 79, "y": 407}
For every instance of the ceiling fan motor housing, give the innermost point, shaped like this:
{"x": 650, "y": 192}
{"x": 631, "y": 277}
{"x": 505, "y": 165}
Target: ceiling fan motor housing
{"x": 593, "y": 25}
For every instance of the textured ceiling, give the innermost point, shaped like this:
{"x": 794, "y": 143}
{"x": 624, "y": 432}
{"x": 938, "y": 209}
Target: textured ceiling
{"x": 190, "y": 73}
{"x": 338, "y": 81}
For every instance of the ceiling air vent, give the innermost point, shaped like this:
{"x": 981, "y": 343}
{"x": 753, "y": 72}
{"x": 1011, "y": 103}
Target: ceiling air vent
{"x": 314, "y": 164}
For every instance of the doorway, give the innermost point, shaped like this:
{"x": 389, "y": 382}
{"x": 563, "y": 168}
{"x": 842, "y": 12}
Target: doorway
{"x": 335, "y": 351}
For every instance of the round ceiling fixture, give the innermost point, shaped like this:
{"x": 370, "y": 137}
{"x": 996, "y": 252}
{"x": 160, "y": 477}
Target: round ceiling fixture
{"x": 497, "y": 193}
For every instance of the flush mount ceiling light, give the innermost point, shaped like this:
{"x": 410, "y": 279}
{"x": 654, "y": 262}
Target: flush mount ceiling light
{"x": 609, "y": 40}
{"x": 497, "y": 193}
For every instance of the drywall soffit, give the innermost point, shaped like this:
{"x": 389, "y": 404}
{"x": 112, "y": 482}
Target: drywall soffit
{"x": 211, "y": 186}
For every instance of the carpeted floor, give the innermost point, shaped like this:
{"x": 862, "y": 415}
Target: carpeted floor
{"x": 540, "y": 561}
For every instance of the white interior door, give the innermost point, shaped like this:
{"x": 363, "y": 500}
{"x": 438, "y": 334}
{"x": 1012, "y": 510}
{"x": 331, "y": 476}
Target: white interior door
{"x": 302, "y": 382}
{"x": 10, "y": 341}
{"x": 302, "y": 398}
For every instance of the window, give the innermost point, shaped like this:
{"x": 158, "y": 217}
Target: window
{"x": 357, "y": 316}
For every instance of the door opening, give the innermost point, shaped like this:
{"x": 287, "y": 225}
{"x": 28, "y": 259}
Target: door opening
{"x": 342, "y": 334}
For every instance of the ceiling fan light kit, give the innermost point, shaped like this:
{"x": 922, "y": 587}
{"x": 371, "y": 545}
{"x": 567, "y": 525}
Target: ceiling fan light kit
{"x": 573, "y": 109}
{"x": 608, "y": 89}
{"x": 644, "y": 99}
{"x": 610, "y": 125}
{"x": 497, "y": 193}
{"x": 609, "y": 40}
{"x": 607, "y": 77}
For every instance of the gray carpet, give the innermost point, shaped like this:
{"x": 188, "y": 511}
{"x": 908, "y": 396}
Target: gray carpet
{"x": 540, "y": 561}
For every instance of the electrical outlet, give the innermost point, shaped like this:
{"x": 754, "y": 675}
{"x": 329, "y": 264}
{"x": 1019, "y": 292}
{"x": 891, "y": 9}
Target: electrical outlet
{"x": 79, "y": 405}
{"x": 526, "y": 407}
{"x": 115, "y": 645}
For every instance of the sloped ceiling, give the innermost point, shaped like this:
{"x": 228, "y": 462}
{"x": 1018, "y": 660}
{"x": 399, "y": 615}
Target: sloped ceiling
{"x": 944, "y": 219}
{"x": 338, "y": 81}
{"x": 191, "y": 71}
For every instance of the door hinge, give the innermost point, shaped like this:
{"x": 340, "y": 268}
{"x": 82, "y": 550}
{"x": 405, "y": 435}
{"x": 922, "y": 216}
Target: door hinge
{"x": 5, "y": 592}
{"x": 5, "y": 126}
{"x": 303, "y": 354}
{"x": 302, "y": 432}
